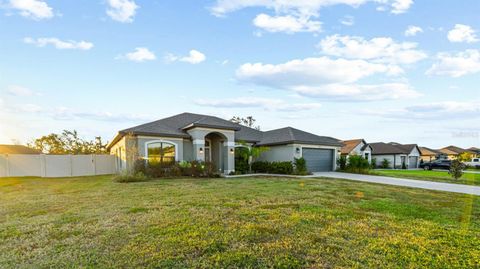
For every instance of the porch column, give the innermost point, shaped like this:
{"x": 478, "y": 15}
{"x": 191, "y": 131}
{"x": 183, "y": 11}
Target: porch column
{"x": 228, "y": 157}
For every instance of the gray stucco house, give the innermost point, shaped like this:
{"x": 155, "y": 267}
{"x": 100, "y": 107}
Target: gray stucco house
{"x": 188, "y": 137}
{"x": 396, "y": 154}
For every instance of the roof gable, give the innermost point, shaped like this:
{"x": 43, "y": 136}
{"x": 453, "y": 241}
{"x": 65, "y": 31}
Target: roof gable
{"x": 349, "y": 145}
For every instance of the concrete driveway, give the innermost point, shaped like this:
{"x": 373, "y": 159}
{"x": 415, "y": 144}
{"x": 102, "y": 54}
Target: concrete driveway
{"x": 429, "y": 185}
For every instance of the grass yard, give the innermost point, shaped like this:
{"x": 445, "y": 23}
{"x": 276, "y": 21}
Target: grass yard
{"x": 440, "y": 176}
{"x": 230, "y": 223}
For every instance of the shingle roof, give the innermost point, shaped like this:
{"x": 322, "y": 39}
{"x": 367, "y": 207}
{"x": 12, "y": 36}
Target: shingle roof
{"x": 17, "y": 149}
{"x": 349, "y": 145}
{"x": 428, "y": 151}
{"x": 389, "y": 148}
{"x": 455, "y": 150}
{"x": 290, "y": 135}
{"x": 177, "y": 126}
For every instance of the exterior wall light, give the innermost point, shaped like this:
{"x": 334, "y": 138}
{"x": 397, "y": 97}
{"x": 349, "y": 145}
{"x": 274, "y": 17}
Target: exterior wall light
{"x": 232, "y": 151}
{"x": 200, "y": 150}
{"x": 297, "y": 150}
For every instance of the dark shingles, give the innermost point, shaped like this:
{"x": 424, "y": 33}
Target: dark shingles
{"x": 290, "y": 135}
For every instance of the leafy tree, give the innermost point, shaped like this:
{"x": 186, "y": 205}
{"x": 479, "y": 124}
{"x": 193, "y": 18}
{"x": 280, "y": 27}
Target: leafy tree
{"x": 249, "y": 121}
{"x": 465, "y": 157}
{"x": 68, "y": 142}
{"x": 456, "y": 169}
{"x": 250, "y": 154}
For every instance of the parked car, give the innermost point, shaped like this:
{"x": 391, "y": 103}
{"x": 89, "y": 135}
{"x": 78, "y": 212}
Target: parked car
{"x": 437, "y": 164}
{"x": 475, "y": 162}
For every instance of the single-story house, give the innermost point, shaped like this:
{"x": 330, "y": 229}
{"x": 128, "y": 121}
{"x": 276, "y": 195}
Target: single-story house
{"x": 452, "y": 152}
{"x": 476, "y": 150}
{"x": 428, "y": 154}
{"x": 397, "y": 154}
{"x": 188, "y": 137}
{"x": 357, "y": 147}
{"x": 17, "y": 149}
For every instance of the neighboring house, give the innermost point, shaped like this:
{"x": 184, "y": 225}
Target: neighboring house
{"x": 428, "y": 154}
{"x": 397, "y": 154}
{"x": 357, "y": 147}
{"x": 188, "y": 137}
{"x": 17, "y": 149}
{"x": 476, "y": 150}
{"x": 452, "y": 152}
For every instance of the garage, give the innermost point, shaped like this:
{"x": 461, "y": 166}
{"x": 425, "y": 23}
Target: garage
{"x": 412, "y": 162}
{"x": 318, "y": 160}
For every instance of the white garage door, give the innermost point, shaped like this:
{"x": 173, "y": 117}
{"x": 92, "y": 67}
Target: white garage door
{"x": 318, "y": 160}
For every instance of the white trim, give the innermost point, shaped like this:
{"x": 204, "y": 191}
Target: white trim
{"x": 229, "y": 144}
{"x": 161, "y": 141}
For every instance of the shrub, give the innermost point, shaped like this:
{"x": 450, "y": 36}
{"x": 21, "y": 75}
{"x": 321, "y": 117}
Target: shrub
{"x": 300, "y": 165}
{"x": 456, "y": 169}
{"x": 385, "y": 164}
{"x": 273, "y": 167}
{"x": 342, "y": 162}
{"x": 404, "y": 166}
{"x": 126, "y": 177}
{"x": 357, "y": 164}
{"x": 373, "y": 163}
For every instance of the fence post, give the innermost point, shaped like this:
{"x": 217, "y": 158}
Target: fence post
{"x": 43, "y": 165}
{"x": 94, "y": 161}
{"x": 7, "y": 165}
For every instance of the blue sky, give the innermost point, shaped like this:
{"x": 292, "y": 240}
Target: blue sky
{"x": 383, "y": 70}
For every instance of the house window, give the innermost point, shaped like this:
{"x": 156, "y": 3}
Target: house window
{"x": 367, "y": 155}
{"x": 161, "y": 152}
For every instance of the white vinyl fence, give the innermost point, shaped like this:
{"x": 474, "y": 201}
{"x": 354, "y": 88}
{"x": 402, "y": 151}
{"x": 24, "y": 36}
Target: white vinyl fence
{"x": 21, "y": 165}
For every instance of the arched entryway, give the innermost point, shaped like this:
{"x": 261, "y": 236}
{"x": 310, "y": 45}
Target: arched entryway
{"x": 215, "y": 150}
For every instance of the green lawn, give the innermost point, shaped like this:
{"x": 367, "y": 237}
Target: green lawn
{"x": 230, "y": 223}
{"x": 441, "y": 176}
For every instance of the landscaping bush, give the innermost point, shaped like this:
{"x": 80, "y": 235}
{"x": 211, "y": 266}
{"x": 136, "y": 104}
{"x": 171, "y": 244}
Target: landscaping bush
{"x": 342, "y": 162}
{"x": 357, "y": 164}
{"x": 300, "y": 165}
{"x": 126, "y": 177}
{"x": 373, "y": 163}
{"x": 385, "y": 164}
{"x": 273, "y": 167}
{"x": 456, "y": 169}
{"x": 175, "y": 169}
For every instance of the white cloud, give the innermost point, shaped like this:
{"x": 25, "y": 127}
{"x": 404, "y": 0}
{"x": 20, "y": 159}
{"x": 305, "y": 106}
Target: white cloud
{"x": 35, "y": 9}
{"x": 122, "y": 10}
{"x": 401, "y": 6}
{"x": 354, "y": 92}
{"x": 322, "y": 70}
{"x": 456, "y": 65}
{"x": 57, "y": 43}
{"x": 379, "y": 49}
{"x": 413, "y": 30}
{"x": 140, "y": 54}
{"x": 194, "y": 57}
{"x": 437, "y": 110}
{"x": 257, "y": 102}
{"x": 295, "y": 16}
{"x": 348, "y": 20}
{"x": 20, "y": 91}
{"x": 322, "y": 77}
{"x": 462, "y": 33}
{"x": 289, "y": 24}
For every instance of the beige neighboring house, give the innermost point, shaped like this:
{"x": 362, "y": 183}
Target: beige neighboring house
{"x": 357, "y": 147}
{"x": 17, "y": 149}
{"x": 452, "y": 152}
{"x": 428, "y": 154}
